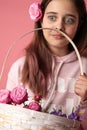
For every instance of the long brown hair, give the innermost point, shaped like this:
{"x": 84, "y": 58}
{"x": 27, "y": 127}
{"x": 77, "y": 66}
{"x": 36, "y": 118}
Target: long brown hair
{"x": 38, "y": 62}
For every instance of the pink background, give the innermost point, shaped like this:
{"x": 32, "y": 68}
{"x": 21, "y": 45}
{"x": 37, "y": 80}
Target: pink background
{"x": 14, "y": 21}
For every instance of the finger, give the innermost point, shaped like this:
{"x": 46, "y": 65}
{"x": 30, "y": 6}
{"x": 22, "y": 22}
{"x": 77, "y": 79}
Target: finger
{"x": 81, "y": 84}
{"x": 80, "y": 92}
{"x": 83, "y": 76}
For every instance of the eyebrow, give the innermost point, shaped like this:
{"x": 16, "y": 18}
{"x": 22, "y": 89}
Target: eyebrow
{"x": 68, "y": 14}
{"x": 71, "y": 15}
{"x": 51, "y": 13}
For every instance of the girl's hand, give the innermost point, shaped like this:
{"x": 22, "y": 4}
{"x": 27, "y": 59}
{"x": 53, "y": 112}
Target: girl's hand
{"x": 81, "y": 87}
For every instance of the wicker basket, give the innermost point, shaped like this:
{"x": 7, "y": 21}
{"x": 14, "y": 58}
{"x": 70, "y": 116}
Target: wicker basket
{"x": 17, "y": 118}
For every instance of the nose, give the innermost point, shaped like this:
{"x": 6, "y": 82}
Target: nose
{"x": 60, "y": 24}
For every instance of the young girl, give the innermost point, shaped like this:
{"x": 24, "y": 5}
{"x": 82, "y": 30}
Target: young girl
{"x": 50, "y": 66}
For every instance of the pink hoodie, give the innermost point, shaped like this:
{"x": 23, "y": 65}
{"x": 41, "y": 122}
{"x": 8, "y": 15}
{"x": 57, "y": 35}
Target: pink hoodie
{"x": 61, "y": 88}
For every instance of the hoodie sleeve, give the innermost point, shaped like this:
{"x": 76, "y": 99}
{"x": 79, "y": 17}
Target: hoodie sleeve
{"x": 14, "y": 75}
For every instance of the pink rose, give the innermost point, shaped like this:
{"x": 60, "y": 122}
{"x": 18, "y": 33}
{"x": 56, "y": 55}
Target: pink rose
{"x": 5, "y": 96}
{"x": 35, "y": 11}
{"x": 37, "y": 97}
{"x": 19, "y": 95}
{"x": 34, "y": 106}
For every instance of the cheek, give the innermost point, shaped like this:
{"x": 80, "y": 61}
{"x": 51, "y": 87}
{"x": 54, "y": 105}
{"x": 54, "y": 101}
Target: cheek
{"x": 71, "y": 32}
{"x": 45, "y": 23}
{"x": 45, "y": 33}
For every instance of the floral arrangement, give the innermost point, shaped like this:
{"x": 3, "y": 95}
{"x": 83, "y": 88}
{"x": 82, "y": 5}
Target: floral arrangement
{"x": 35, "y": 11}
{"x": 20, "y": 96}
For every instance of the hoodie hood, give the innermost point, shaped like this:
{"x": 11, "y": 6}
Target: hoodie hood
{"x": 67, "y": 58}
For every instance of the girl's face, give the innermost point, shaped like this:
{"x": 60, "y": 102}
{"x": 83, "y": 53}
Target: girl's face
{"x": 61, "y": 14}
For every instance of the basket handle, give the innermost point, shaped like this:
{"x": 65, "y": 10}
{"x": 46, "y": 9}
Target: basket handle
{"x": 27, "y": 33}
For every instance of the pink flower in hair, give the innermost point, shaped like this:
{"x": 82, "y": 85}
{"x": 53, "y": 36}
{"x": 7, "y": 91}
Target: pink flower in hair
{"x": 19, "y": 95}
{"x": 35, "y": 11}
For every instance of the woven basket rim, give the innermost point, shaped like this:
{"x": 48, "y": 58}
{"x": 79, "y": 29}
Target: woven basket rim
{"x": 7, "y": 108}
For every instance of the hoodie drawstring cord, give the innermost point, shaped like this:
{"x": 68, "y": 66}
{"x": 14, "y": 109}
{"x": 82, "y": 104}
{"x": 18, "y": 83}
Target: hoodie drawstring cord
{"x": 53, "y": 85}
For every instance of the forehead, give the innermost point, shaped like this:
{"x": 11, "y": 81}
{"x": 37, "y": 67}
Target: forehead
{"x": 63, "y": 6}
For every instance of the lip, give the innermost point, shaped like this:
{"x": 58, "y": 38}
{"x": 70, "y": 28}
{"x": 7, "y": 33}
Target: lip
{"x": 58, "y": 36}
